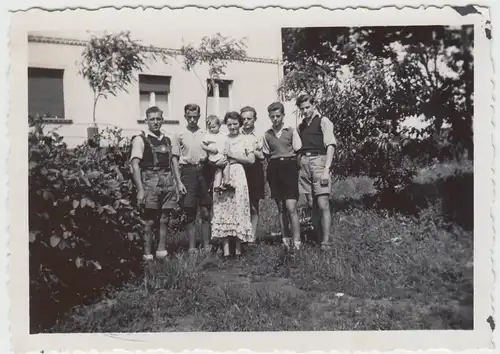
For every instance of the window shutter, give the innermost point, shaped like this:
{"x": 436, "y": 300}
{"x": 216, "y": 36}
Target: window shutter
{"x": 46, "y": 92}
{"x": 153, "y": 83}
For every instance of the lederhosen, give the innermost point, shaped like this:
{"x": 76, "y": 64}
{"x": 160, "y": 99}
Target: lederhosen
{"x": 156, "y": 173}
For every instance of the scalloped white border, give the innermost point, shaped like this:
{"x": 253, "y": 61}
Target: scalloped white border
{"x": 264, "y": 342}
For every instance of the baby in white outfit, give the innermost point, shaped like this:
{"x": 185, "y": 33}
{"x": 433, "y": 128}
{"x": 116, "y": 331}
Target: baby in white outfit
{"x": 215, "y": 144}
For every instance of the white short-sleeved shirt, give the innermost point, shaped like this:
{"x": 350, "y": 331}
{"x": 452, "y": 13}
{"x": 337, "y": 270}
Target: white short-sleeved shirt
{"x": 254, "y": 139}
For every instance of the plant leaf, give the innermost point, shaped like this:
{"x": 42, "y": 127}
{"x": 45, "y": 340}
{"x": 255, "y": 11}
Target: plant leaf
{"x": 54, "y": 240}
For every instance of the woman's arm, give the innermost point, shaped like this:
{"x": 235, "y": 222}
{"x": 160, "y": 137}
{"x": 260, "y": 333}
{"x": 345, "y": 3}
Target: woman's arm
{"x": 248, "y": 157}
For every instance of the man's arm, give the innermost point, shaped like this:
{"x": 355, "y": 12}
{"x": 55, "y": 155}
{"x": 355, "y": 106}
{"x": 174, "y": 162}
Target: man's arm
{"x": 135, "y": 159}
{"x": 296, "y": 141}
{"x": 330, "y": 150}
{"x": 265, "y": 147}
{"x": 327, "y": 129}
{"x": 177, "y": 175}
{"x": 136, "y": 173}
{"x": 330, "y": 142}
{"x": 175, "y": 164}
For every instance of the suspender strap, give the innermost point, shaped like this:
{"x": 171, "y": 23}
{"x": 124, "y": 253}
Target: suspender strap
{"x": 153, "y": 150}
{"x": 147, "y": 141}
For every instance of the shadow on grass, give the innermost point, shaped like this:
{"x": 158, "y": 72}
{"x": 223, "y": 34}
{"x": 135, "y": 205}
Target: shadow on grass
{"x": 454, "y": 193}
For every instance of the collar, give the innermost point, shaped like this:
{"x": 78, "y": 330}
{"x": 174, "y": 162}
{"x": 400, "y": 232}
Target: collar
{"x": 251, "y": 133}
{"x": 162, "y": 134}
{"x": 314, "y": 115}
{"x": 200, "y": 130}
{"x": 282, "y": 128}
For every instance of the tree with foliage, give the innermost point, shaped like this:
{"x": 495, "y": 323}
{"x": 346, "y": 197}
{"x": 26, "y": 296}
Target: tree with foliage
{"x": 216, "y": 52}
{"x": 109, "y": 61}
{"x": 432, "y": 65}
{"x": 368, "y": 80}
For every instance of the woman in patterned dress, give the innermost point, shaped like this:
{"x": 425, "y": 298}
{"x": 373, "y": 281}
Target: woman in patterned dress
{"x": 231, "y": 209}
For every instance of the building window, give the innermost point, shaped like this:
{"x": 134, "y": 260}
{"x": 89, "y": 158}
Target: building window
{"x": 154, "y": 91}
{"x": 219, "y": 97}
{"x": 45, "y": 92}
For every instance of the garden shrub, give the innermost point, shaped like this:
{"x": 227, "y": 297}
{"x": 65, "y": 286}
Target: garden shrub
{"x": 84, "y": 231}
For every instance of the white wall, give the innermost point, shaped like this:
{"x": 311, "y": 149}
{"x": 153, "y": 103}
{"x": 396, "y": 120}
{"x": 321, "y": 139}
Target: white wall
{"x": 253, "y": 84}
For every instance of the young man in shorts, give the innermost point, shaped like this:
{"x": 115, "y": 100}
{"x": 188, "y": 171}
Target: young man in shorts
{"x": 254, "y": 172}
{"x": 188, "y": 162}
{"x": 153, "y": 176}
{"x": 315, "y": 159}
{"x": 280, "y": 146}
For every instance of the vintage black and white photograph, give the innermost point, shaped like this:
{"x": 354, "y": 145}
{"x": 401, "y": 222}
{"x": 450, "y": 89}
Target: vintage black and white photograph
{"x": 192, "y": 175}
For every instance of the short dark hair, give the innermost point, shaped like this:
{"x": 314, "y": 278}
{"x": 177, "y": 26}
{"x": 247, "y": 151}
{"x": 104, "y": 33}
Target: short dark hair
{"x": 276, "y": 105}
{"x": 153, "y": 109}
{"x": 191, "y": 107}
{"x": 249, "y": 109}
{"x": 304, "y": 98}
{"x": 233, "y": 115}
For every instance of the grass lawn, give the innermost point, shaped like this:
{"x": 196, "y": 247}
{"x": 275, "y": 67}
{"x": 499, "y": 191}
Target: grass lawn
{"x": 388, "y": 270}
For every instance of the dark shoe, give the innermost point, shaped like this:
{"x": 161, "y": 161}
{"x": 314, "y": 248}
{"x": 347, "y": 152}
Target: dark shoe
{"x": 325, "y": 247}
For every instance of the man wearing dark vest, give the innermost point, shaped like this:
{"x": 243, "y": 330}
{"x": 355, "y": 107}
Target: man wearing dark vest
{"x": 280, "y": 146}
{"x": 157, "y": 193}
{"x": 315, "y": 159}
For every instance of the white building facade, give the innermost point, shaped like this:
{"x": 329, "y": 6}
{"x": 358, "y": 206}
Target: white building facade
{"x": 59, "y": 93}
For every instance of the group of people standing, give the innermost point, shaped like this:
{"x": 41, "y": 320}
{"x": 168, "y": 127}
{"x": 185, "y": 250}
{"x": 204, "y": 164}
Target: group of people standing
{"x": 221, "y": 175}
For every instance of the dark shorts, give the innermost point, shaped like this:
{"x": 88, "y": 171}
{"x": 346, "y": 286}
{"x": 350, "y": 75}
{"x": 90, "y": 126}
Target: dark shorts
{"x": 195, "y": 179}
{"x": 255, "y": 180}
{"x": 159, "y": 189}
{"x": 209, "y": 172}
{"x": 283, "y": 178}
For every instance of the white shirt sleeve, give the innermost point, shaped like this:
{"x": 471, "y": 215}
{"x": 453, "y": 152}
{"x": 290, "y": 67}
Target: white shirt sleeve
{"x": 137, "y": 148}
{"x": 327, "y": 128}
{"x": 265, "y": 146}
{"x": 296, "y": 141}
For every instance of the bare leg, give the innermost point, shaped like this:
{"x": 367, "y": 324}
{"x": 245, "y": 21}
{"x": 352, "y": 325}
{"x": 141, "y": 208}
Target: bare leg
{"x": 291, "y": 209}
{"x": 226, "y": 173}
{"x": 326, "y": 217}
{"x": 218, "y": 178}
{"x": 315, "y": 219}
{"x": 254, "y": 216}
{"x": 161, "y": 251}
{"x": 283, "y": 217}
{"x": 149, "y": 265}
{"x": 205, "y": 226}
{"x": 163, "y": 231}
{"x": 190, "y": 228}
{"x": 226, "y": 247}
{"x": 148, "y": 237}
{"x": 237, "y": 249}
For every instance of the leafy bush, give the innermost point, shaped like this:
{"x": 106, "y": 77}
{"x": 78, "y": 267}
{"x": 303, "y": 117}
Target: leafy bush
{"x": 369, "y": 80}
{"x": 84, "y": 231}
